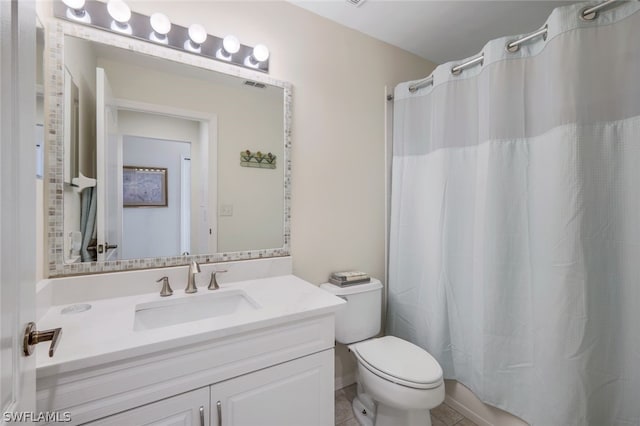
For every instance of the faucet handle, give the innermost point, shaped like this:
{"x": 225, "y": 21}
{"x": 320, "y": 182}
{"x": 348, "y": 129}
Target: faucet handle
{"x": 213, "y": 283}
{"x": 166, "y": 288}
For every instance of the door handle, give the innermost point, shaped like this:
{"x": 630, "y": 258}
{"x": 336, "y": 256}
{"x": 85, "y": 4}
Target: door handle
{"x": 219, "y": 408}
{"x": 202, "y": 415}
{"x": 32, "y": 337}
{"x": 106, "y": 246}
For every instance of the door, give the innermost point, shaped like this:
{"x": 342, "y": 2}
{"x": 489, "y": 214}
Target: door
{"x": 295, "y": 393}
{"x": 187, "y": 409}
{"x": 109, "y": 172}
{"x": 17, "y": 206}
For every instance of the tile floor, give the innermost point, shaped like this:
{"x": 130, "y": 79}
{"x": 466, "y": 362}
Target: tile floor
{"x": 442, "y": 415}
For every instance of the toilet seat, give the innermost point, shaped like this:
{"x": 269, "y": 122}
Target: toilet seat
{"x": 400, "y": 362}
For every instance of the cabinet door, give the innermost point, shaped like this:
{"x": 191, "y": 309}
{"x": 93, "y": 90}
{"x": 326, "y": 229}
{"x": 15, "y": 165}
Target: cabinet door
{"x": 295, "y": 393}
{"x": 187, "y": 409}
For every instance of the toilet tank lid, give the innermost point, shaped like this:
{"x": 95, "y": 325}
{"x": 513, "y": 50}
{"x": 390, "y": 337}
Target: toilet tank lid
{"x": 372, "y": 285}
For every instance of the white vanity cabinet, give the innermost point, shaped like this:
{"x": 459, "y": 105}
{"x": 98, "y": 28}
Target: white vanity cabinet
{"x": 278, "y": 375}
{"x": 187, "y": 409}
{"x": 294, "y": 393}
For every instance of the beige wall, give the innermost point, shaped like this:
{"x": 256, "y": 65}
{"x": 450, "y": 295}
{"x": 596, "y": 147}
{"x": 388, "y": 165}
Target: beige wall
{"x": 338, "y": 173}
{"x": 338, "y": 78}
{"x": 146, "y": 125}
{"x": 81, "y": 62}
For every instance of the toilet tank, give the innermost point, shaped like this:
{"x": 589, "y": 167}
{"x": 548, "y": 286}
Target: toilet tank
{"x": 360, "y": 317}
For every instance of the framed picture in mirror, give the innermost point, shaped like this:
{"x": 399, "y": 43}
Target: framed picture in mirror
{"x": 144, "y": 186}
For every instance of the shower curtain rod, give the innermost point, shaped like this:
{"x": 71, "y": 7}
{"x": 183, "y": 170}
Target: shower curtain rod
{"x": 589, "y": 13}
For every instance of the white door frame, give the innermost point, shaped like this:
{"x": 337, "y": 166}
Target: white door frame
{"x": 108, "y": 163}
{"x": 208, "y": 193}
{"x": 17, "y": 203}
{"x": 185, "y": 204}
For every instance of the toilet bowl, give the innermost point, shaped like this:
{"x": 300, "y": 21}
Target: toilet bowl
{"x": 404, "y": 380}
{"x": 398, "y": 382}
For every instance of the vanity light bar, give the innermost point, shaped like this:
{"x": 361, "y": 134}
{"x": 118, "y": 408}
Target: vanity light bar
{"x": 96, "y": 14}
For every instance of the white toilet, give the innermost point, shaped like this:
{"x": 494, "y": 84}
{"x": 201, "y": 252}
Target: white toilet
{"x": 398, "y": 382}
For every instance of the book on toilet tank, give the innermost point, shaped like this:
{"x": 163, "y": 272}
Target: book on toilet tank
{"x": 349, "y": 278}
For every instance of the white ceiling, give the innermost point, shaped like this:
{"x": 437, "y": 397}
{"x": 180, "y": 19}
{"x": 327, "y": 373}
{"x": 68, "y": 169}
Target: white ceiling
{"x": 439, "y": 31}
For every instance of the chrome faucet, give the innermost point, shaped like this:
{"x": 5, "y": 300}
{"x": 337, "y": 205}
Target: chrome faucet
{"x": 194, "y": 268}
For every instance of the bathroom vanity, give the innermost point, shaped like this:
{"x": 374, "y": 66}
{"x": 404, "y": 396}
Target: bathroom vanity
{"x": 263, "y": 355}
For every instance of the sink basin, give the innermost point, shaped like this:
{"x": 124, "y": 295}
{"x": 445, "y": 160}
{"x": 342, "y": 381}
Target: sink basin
{"x": 192, "y": 308}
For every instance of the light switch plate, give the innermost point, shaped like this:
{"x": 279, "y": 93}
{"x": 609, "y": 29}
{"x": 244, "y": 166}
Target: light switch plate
{"x": 226, "y": 210}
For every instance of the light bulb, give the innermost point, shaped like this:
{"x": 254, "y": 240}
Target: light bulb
{"x": 119, "y": 11}
{"x": 160, "y": 23}
{"x": 197, "y": 34}
{"x": 75, "y": 11}
{"x": 260, "y": 53}
{"x": 74, "y": 4}
{"x": 161, "y": 26}
{"x": 121, "y": 14}
{"x": 231, "y": 44}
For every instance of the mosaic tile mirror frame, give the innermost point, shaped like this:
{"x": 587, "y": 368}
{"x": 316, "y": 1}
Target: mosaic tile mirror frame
{"x": 54, "y": 185}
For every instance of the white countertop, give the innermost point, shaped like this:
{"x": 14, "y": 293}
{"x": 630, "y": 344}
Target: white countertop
{"x": 105, "y": 333}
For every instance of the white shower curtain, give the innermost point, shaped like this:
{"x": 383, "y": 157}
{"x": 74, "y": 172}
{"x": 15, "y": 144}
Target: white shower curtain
{"x": 515, "y": 224}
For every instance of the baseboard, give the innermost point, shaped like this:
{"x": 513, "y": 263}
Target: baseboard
{"x": 344, "y": 381}
{"x": 461, "y": 399}
{"x": 467, "y": 412}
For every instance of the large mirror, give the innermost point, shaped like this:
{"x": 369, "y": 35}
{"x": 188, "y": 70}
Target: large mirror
{"x": 165, "y": 161}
